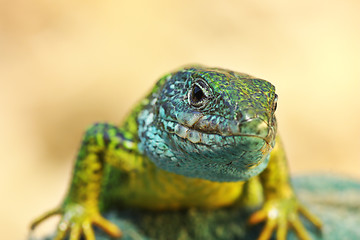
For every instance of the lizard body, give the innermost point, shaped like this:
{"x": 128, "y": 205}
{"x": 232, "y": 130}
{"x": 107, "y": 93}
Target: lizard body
{"x": 203, "y": 137}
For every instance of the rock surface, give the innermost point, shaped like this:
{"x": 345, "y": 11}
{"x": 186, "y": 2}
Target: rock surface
{"x": 335, "y": 200}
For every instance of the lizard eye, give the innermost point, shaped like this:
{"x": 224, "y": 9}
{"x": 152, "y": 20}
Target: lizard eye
{"x": 275, "y": 103}
{"x": 199, "y": 94}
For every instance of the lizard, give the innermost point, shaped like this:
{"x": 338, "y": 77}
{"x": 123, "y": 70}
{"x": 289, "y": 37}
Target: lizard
{"x": 203, "y": 137}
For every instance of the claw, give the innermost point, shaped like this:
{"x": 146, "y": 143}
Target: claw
{"x": 268, "y": 230}
{"x": 43, "y": 217}
{"x": 88, "y": 231}
{"x": 107, "y": 226}
{"x": 62, "y": 229}
{"x": 300, "y": 229}
{"x": 311, "y": 217}
{"x": 78, "y": 220}
{"x": 257, "y": 217}
{"x": 75, "y": 232}
{"x": 279, "y": 215}
{"x": 282, "y": 230}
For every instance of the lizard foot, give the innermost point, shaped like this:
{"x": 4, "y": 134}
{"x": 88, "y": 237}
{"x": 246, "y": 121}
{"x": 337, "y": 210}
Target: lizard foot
{"x": 77, "y": 220}
{"x": 279, "y": 215}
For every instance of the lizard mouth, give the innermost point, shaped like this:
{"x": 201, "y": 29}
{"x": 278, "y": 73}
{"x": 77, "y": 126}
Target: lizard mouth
{"x": 208, "y": 137}
{"x": 214, "y": 130}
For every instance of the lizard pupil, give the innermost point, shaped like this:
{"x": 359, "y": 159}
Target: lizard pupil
{"x": 197, "y": 95}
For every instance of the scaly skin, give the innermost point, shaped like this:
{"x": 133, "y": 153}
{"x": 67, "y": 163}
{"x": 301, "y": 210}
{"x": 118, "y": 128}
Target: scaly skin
{"x": 202, "y": 138}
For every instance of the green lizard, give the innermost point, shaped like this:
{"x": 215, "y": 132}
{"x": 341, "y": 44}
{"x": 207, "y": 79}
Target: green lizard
{"x": 204, "y": 138}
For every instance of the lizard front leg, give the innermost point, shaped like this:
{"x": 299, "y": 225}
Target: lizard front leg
{"x": 102, "y": 144}
{"x": 281, "y": 207}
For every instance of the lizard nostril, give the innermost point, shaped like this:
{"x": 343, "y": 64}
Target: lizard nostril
{"x": 239, "y": 116}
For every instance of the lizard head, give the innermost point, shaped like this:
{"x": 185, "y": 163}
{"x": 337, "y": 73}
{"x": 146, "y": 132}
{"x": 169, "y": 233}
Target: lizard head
{"x": 212, "y": 123}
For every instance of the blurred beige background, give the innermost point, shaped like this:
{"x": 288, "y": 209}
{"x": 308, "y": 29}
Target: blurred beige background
{"x": 67, "y": 64}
